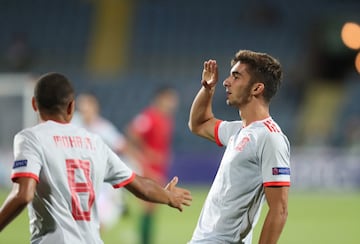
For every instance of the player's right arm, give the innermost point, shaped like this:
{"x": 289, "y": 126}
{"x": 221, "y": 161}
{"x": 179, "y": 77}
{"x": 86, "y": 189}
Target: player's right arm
{"x": 202, "y": 121}
{"x": 21, "y": 194}
{"x": 24, "y": 177}
{"x": 148, "y": 190}
{"x": 120, "y": 175}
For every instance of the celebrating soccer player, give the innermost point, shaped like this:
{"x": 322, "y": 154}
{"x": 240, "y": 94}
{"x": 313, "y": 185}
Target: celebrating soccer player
{"x": 255, "y": 165}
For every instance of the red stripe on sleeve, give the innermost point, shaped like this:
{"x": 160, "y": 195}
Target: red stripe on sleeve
{"x": 216, "y": 133}
{"x": 26, "y": 175}
{"x": 124, "y": 183}
{"x": 277, "y": 183}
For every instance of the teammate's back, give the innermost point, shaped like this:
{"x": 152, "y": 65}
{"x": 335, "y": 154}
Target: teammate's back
{"x": 70, "y": 164}
{"x": 59, "y": 169}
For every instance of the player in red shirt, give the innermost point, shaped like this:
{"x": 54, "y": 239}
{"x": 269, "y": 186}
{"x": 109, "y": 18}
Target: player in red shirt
{"x": 150, "y": 134}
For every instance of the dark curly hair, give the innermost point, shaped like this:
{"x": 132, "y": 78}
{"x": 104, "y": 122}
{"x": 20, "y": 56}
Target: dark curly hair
{"x": 262, "y": 68}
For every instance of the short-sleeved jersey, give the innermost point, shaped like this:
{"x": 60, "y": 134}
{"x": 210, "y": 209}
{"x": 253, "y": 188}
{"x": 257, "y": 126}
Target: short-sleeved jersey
{"x": 70, "y": 165}
{"x": 256, "y": 156}
{"x": 156, "y": 130}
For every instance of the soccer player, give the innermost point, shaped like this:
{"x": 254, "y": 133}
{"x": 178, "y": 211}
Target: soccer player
{"x": 150, "y": 134}
{"x": 89, "y": 117}
{"x": 59, "y": 169}
{"x": 255, "y": 165}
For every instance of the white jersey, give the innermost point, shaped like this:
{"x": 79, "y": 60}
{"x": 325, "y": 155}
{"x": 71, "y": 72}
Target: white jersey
{"x": 109, "y": 201}
{"x": 256, "y": 156}
{"x": 70, "y": 165}
{"x": 106, "y": 130}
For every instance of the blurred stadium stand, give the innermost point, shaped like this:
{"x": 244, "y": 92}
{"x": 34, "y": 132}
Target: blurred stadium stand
{"x": 57, "y": 31}
{"x": 167, "y": 42}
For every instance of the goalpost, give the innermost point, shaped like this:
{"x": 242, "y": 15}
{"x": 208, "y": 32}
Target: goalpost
{"x": 16, "y": 91}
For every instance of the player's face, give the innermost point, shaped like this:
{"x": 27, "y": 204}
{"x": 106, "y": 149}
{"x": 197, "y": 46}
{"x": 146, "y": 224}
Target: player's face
{"x": 169, "y": 102}
{"x": 87, "y": 108}
{"x": 238, "y": 86}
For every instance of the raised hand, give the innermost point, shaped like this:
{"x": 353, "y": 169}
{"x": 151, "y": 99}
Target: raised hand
{"x": 210, "y": 74}
{"x": 178, "y": 196}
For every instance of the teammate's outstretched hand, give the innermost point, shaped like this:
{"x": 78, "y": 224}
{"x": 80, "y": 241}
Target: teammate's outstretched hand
{"x": 210, "y": 74}
{"x": 178, "y": 196}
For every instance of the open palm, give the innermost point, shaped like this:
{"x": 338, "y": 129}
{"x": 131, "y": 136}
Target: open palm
{"x": 210, "y": 74}
{"x": 179, "y": 196}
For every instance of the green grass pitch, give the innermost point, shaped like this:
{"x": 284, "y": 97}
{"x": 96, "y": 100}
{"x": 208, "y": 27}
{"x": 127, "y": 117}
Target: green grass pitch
{"x": 313, "y": 218}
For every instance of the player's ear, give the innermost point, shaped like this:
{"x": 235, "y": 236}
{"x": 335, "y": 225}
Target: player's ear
{"x": 71, "y": 107}
{"x": 258, "y": 88}
{"x": 33, "y": 103}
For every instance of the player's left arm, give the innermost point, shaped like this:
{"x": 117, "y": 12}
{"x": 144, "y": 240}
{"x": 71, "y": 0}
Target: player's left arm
{"x": 277, "y": 199}
{"x": 148, "y": 190}
{"x": 22, "y": 193}
{"x": 275, "y": 158}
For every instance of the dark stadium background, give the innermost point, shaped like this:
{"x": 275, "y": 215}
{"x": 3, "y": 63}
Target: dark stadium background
{"x": 121, "y": 50}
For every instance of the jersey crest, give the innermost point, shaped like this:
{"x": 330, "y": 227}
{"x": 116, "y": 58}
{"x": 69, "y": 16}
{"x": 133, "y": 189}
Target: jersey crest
{"x": 242, "y": 143}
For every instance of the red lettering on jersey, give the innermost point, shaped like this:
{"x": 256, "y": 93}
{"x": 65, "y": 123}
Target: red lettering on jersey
{"x": 57, "y": 140}
{"x": 88, "y": 144}
{"x": 79, "y": 142}
{"x": 66, "y": 141}
{"x": 76, "y": 141}
{"x": 73, "y": 142}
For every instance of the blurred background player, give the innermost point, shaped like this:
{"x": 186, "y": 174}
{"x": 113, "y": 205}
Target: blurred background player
{"x": 88, "y": 115}
{"x": 150, "y": 134}
{"x": 111, "y": 203}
